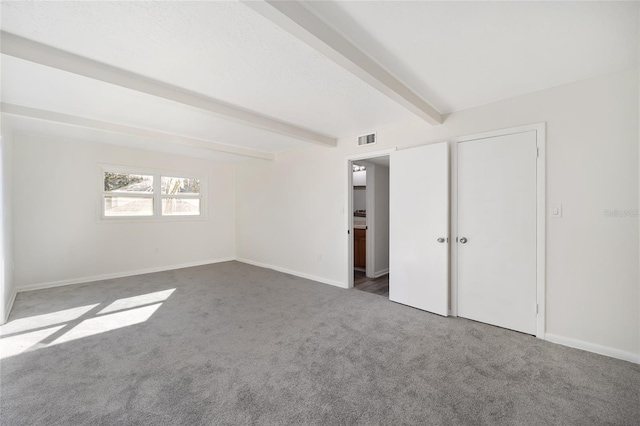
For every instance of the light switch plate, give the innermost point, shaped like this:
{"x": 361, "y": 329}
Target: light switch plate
{"x": 556, "y": 210}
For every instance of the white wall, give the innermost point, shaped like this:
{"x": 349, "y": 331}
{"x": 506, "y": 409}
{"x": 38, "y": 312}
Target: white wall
{"x": 382, "y": 220}
{"x": 592, "y": 165}
{"x": 359, "y": 199}
{"x": 56, "y": 215}
{"x": 8, "y": 291}
{"x": 360, "y": 178}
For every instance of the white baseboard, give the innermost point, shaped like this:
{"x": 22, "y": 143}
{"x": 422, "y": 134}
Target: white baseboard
{"x": 9, "y": 306}
{"x": 566, "y": 341}
{"x": 95, "y": 278}
{"x": 592, "y": 347}
{"x": 296, "y": 273}
{"x": 380, "y": 273}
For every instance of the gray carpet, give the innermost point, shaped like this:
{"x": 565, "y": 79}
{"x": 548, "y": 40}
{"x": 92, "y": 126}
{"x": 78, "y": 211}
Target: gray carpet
{"x": 236, "y": 345}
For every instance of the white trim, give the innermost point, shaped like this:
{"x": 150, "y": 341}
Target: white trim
{"x": 501, "y": 132}
{"x": 541, "y": 190}
{"x": 447, "y": 237}
{"x": 541, "y": 229}
{"x": 593, "y": 347}
{"x": 292, "y": 272}
{"x": 90, "y": 123}
{"x": 95, "y": 278}
{"x": 349, "y": 218}
{"x": 9, "y": 306}
{"x": 370, "y": 154}
{"x": 39, "y": 53}
{"x": 156, "y": 196}
{"x": 378, "y": 274}
{"x": 453, "y": 225}
{"x": 370, "y": 230}
{"x": 349, "y": 203}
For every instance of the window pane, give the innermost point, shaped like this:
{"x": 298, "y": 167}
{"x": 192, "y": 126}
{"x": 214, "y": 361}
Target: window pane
{"x": 176, "y": 185}
{"x": 180, "y": 206}
{"x": 127, "y": 182}
{"x": 128, "y": 206}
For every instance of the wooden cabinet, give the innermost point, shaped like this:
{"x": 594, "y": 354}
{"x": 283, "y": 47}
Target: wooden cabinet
{"x": 360, "y": 248}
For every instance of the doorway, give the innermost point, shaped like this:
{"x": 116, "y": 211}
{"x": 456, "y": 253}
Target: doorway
{"x": 418, "y": 220}
{"x": 368, "y": 222}
{"x": 420, "y": 245}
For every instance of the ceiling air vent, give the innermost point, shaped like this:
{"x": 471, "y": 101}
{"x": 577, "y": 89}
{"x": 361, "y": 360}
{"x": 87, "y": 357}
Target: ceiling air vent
{"x": 367, "y": 139}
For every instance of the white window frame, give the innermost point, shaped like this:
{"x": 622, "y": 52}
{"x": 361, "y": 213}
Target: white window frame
{"x": 156, "y": 195}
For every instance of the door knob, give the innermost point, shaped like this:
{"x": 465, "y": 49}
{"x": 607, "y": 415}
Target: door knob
{"x": 463, "y": 240}
{"x": 441, "y": 240}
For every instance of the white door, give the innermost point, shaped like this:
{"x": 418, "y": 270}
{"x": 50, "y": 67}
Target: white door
{"x": 497, "y": 231}
{"x": 419, "y": 227}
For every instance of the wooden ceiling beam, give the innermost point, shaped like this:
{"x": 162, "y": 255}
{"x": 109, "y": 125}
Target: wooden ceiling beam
{"x": 29, "y": 50}
{"x": 297, "y": 19}
{"x": 89, "y": 123}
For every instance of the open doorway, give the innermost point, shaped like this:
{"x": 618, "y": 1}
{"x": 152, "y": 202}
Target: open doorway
{"x": 369, "y": 208}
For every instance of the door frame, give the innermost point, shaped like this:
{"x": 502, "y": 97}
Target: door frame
{"x": 540, "y": 129}
{"x": 370, "y": 191}
{"x": 370, "y": 268}
{"x": 349, "y": 203}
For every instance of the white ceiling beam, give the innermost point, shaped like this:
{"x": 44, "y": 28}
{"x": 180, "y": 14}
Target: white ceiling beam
{"x": 89, "y": 123}
{"x": 295, "y": 18}
{"x": 20, "y": 47}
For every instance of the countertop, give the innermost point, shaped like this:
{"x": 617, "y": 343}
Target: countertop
{"x": 359, "y": 223}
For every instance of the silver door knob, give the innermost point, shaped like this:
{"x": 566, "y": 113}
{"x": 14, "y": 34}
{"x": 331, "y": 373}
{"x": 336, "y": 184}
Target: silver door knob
{"x": 441, "y": 240}
{"x": 463, "y": 240}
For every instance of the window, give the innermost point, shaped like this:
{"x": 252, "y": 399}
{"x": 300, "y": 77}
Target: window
{"x": 180, "y": 196}
{"x": 127, "y": 194}
{"x": 138, "y": 195}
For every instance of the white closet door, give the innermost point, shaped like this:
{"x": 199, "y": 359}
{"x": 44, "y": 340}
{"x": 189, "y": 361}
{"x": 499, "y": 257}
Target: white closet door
{"x": 419, "y": 227}
{"x": 497, "y": 231}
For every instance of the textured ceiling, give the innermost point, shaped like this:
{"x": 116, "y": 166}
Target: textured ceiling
{"x": 29, "y": 126}
{"x": 454, "y": 54}
{"x": 224, "y": 50}
{"x": 458, "y": 55}
{"x": 37, "y": 86}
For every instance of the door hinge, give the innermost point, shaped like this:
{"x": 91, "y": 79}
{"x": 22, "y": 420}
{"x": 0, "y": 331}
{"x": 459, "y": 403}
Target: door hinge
{"x": 537, "y": 310}
{"x": 537, "y": 152}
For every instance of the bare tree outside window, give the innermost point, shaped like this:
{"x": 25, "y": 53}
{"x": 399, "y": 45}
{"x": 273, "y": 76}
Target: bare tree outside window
{"x": 119, "y": 189}
{"x": 182, "y": 192}
{"x": 134, "y": 195}
{"x": 126, "y": 182}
